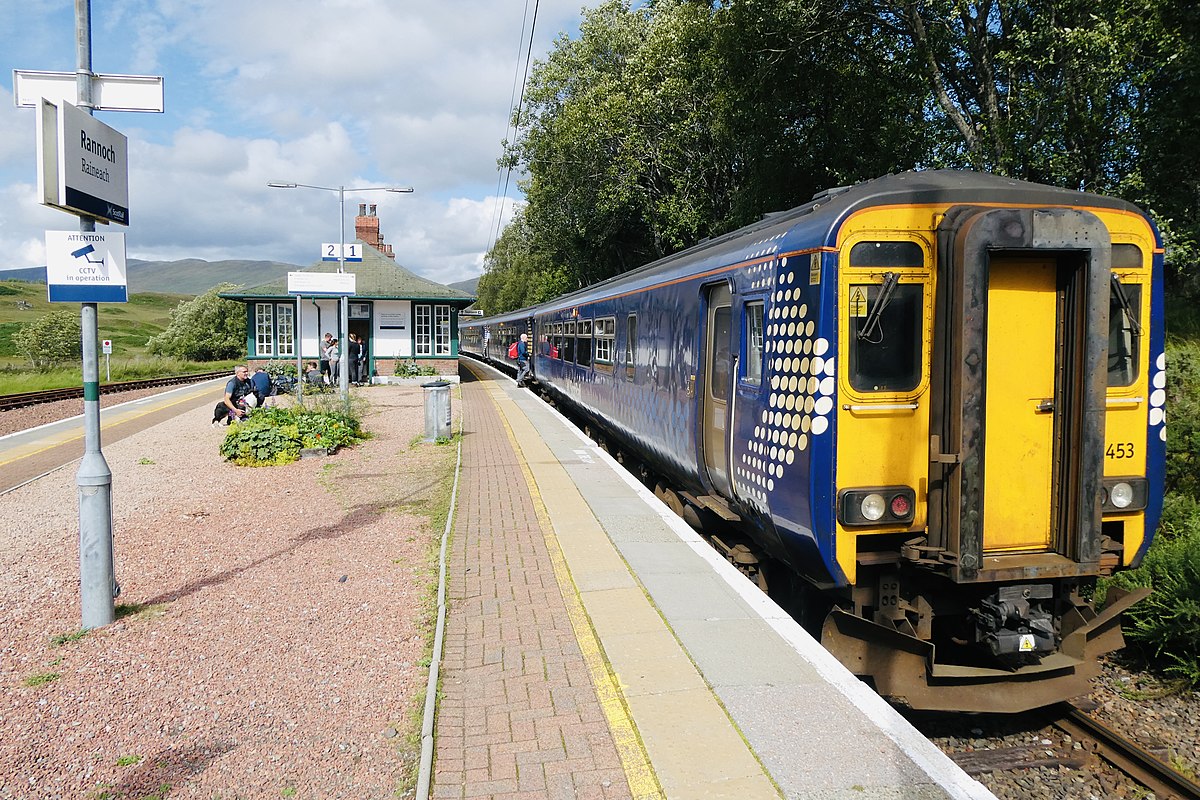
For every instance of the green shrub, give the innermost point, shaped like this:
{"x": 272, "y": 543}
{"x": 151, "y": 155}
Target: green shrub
{"x": 276, "y": 435}
{"x": 410, "y": 369}
{"x": 1163, "y": 627}
{"x": 1183, "y": 418}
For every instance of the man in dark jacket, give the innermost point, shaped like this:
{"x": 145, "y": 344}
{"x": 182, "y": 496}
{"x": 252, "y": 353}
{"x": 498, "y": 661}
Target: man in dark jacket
{"x": 523, "y": 372}
{"x": 240, "y": 396}
{"x": 354, "y": 357}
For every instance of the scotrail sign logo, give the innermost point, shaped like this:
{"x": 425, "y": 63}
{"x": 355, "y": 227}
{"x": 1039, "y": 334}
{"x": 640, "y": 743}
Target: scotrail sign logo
{"x": 85, "y": 267}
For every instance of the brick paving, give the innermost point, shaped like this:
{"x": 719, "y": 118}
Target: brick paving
{"x": 519, "y": 716}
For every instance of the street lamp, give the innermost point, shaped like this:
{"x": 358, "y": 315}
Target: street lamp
{"x": 344, "y": 307}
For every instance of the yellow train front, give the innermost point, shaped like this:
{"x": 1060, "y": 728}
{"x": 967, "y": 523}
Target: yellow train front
{"x": 997, "y": 429}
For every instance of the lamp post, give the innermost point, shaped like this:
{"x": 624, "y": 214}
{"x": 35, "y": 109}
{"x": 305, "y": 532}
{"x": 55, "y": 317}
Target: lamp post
{"x": 344, "y": 306}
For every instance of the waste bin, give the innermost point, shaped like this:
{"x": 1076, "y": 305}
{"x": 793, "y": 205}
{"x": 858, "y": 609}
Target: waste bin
{"x": 437, "y": 410}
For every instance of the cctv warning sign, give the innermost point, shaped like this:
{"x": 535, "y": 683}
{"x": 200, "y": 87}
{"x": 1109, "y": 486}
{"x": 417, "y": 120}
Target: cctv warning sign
{"x": 85, "y": 267}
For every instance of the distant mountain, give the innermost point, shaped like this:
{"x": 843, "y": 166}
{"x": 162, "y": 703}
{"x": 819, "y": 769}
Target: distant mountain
{"x": 189, "y": 276}
{"x": 468, "y": 286}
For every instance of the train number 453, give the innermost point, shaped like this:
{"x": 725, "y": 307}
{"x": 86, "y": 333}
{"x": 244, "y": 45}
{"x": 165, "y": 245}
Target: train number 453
{"x": 1120, "y": 450}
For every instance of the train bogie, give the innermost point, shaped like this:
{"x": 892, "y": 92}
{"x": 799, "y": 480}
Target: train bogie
{"x": 936, "y": 399}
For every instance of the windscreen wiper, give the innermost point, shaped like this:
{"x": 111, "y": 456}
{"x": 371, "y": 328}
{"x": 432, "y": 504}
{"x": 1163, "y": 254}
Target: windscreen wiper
{"x": 871, "y": 326}
{"x": 1135, "y": 327}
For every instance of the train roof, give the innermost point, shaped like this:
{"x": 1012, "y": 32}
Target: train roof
{"x": 828, "y": 209}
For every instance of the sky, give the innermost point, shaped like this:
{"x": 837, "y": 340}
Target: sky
{"x": 353, "y": 93}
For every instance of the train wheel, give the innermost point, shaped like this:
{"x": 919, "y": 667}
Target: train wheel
{"x": 673, "y": 502}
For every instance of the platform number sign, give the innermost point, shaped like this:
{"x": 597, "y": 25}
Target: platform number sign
{"x": 352, "y": 251}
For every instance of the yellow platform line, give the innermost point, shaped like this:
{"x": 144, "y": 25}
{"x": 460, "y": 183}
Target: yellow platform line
{"x": 643, "y": 784}
{"x": 110, "y": 418}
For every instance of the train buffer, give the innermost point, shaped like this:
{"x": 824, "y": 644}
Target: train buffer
{"x": 596, "y": 647}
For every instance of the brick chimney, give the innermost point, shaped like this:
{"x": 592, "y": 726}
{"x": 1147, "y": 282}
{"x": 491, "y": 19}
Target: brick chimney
{"x": 366, "y": 227}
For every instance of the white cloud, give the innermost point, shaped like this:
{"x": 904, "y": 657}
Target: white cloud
{"x": 337, "y": 92}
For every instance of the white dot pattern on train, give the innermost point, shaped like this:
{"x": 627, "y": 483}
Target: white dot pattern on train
{"x": 1158, "y": 397}
{"x": 802, "y": 389}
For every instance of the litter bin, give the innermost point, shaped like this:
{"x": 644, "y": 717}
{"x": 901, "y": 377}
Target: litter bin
{"x": 437, "y": 410}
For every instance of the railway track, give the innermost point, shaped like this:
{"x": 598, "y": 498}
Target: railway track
{"x": 24, "y": 399}
{"x": 1126, "y": 755}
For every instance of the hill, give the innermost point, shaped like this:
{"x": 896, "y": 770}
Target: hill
{"x": 128, "y": 325}
{"x": 469, "y": 286}
{"x": 190, "y": 276}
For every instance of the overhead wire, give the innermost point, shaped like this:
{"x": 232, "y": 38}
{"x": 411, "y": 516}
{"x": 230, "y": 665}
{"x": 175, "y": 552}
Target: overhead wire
{"x": 515, "y": 107}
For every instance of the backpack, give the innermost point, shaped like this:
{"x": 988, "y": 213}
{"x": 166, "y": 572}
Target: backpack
{"x": 512, "y": 350}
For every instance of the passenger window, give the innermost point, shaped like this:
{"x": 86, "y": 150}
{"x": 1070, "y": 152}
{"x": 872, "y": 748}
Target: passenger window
{"x": 885, "y": 335}
{"x": 754, "y": 343}
{"x": 583, "y": 348}
{"x": 719, "y": 385}
{"x": 630, "y": 345}
{"x": 1124, "y": 332}
{"x": 568, "y": 348}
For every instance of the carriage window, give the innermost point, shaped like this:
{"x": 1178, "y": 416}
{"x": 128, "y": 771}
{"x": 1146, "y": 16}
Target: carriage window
{"x": 630, "y": 345}
{"x": 886, "y": 254}
{"x": 568, "y": 346}
{"x": 583, "y": 347}
{"x": 885, "y": 336}
{"x": 606, "y": 334}
{"x": 754, "y": 343}
{"x": 1124, "y": 332}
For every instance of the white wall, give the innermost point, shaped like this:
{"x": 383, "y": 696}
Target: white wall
{"x": 393, "y": 330}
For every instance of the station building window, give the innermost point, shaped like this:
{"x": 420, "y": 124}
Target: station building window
{"x": 432, "y": 330}
{"x": 274, "y": 329}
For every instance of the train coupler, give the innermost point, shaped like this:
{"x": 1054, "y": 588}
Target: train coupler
{"x": 1014, "y": 622}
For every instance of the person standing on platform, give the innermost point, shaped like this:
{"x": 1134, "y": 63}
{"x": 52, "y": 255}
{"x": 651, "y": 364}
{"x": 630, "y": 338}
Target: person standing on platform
{"x": 353, "y": 351}
{"x": 523, "y": 372}
{"x": 335, "y": 357}
{"x": 324, "y": 355}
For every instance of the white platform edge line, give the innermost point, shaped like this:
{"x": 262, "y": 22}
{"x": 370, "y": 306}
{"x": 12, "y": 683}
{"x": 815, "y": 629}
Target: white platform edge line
{"x": 936, "y": 764}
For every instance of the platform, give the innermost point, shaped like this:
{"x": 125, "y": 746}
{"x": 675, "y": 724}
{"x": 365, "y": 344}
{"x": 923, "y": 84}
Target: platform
{"x": 597, "y": 647}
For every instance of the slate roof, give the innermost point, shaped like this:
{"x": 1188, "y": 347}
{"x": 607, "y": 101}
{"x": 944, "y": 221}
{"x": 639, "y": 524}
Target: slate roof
{"x": 378, "y": 278}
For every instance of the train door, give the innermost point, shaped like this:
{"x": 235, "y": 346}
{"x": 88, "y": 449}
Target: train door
{"x": 1020, "y": 351}
{"x": 717, "y": 385}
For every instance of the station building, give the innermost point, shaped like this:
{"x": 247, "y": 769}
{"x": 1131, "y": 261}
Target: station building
{"x": 401, "y": 316}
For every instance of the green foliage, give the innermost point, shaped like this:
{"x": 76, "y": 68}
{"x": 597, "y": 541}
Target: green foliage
{"x": 1183, "y": 422}
{"x": 276, "y": 435}
{"x": 277, "y": 367}
{"x": 42, "y": 678}
{"x": 207, "y": 328}
{"x": 411, "y": 369}
{"x": 1164, "y": 625}
{"x": 51, "y": 339}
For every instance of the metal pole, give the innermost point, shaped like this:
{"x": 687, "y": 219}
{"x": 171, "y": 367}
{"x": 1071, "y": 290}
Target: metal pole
{"x": 97, "y": 581}
{"x": 298, "y": 343}
{"x": 344, "y": 327}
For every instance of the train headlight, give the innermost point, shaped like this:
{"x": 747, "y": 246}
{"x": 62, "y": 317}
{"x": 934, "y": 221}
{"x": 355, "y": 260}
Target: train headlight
{"x": 872, "y": 507}
{"x": 1122, "y": 495}
{"x": 878, "y": 505}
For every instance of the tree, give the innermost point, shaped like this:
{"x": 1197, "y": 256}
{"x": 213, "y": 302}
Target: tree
{"x": 51, "y": 339}
{"x": 207, "y": 328}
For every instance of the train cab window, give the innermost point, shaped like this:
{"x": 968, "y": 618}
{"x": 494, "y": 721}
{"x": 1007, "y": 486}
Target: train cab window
{"x": 630, "y": 345}
{"x": 568, "y": 346}
{"x": 887, "y": 254}
{"x": 583, "y": 344}
{"x": 752, "y": 373}
{"x": 1124, "y": 332}
{"x": 885, "y": 335}
{"x": 1124, "y": 317}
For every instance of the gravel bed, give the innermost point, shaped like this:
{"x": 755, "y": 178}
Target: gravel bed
{"x": 1140, "y": 706}
{"x": 274, "y": 628}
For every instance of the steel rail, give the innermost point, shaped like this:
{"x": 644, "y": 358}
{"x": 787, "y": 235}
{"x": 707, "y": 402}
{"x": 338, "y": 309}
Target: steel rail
{"x": 1127, "y": 756}
{"x": 9, "y": 402}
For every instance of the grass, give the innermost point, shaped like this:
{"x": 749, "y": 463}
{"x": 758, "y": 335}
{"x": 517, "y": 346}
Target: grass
{"x": 42, "y": 678}
{"x": 64, "y": 638}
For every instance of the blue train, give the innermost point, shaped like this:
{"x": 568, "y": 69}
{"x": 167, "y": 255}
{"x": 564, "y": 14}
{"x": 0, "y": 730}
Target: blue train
{"x": 925, "y": 411}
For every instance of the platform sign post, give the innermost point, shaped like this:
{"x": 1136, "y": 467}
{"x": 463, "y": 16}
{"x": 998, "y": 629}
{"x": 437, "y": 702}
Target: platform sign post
{"x": 83, "y": 169}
